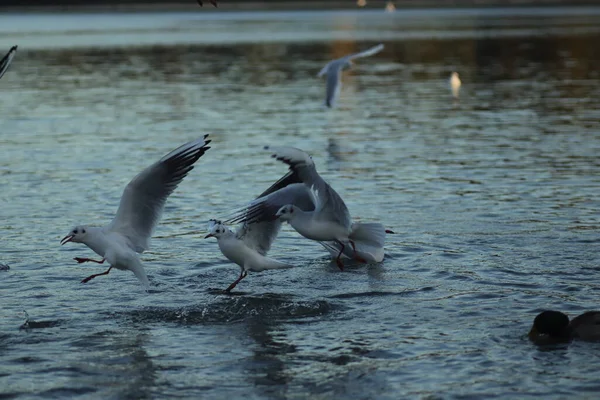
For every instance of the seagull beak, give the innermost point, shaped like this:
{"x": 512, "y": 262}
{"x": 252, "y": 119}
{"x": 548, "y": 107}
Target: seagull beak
{"x": 209, "y": 235}
{"x": 66, "y": 239}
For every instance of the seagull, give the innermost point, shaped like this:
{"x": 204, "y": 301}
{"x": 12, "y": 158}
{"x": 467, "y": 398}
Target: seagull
{"x": 6, "y": 60}
{"x": 455, "y": 84}
{"x": 140, "y": 208}
{"x": 314, "y": 210}
{"x": 213, "y": 2}
{"x": 334, "y": 68}
{"x": 248, "y": 246}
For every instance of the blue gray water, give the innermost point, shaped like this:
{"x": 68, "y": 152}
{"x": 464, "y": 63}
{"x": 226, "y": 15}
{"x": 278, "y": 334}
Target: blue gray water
{"x": 494, "y": 200}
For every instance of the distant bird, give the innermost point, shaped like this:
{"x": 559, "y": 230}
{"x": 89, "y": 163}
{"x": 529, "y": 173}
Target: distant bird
{"x": 455, "y": 84}
{"x": 361, "y": 3}
{"x": 390, "y": 7}
{"x": 213, "y": 2}
{"x": 551, "y": 327}
{"x": 7, "y": 59}
{"x": 334, "y": 68}
{"x": 141, "y": 206}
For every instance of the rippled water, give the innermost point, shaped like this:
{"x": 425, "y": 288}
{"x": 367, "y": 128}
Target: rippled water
{"x": 494, "y": 200}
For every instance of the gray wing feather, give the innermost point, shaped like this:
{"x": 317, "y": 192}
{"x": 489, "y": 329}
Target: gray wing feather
{"x": 259, "y": 236}
{"x": 330, "y": 206}
{"x": 366, "y": 53}
{"x": 144, "y": 197}
{"x": 6, "y": 60}
{"x": 259, "y": 226}
{"x": 264, "y": 208}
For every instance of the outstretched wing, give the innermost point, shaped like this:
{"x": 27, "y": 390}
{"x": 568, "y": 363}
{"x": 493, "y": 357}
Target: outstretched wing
{"x": 329, "y": 204}
{"x": 7, "y": 59}
{"x": 264, "y": 208}
{"x": 259, "y": 225}
{"x": 144, "y": 197}
{"x": 367, "y": 53}
{"x": 259, "y": 236}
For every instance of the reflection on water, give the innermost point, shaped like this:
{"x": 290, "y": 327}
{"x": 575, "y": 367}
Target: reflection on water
{"x": 493, "y": 199}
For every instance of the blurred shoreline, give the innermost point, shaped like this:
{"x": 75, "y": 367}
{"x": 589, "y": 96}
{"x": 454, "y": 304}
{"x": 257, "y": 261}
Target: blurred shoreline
{"x": 226, "y": 5}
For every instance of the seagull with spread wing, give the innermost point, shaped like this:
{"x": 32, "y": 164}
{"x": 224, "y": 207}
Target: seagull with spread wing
{"x": 141, "y": 206}
{"x": 333, "y": 70}
{"x": 315, "y": 210}
{"x": 249, "y": 244}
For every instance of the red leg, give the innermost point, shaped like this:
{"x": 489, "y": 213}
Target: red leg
{"x": 338, "y": 260}
{"x": 356, "y": 256}
{"x": 243, "y": 274}
{"x": 89, "y": 278}
{"x": 82, "y": 260}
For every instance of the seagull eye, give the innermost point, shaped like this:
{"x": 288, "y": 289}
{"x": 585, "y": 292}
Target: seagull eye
{"x": 75, "y": 231}
{"x": 83, "y": 231}
{"x": 291, "y": 210}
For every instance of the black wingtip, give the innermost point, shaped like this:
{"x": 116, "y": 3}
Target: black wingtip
{"x": 389, "y": 231}
{"x": 14, "y": 48}
{"x": 205, "y": 136}
{"x": 265, "y": 147}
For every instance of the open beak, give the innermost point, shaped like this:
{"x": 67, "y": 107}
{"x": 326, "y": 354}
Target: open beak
{"x": 209, "y": 235}
{"x": 66, "y": 239}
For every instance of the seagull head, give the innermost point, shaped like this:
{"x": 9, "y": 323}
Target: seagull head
{"x": 216, "y": 230}
{"x": 77, "y": 235}
{"x": 287, "y": 212}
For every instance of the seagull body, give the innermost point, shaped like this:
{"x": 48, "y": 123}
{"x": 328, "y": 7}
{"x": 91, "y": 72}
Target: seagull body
{"x": 141, "y": 206}
{"x": 455, "y": 84}
{"x": 7, "y": 59}
{"x": 314, "y": 210}
{"x": 333, "y": 70}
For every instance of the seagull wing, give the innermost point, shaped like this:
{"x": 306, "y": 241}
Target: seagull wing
{"x": 7, "y": 59}
{"x": 144, "y": 197}
{"x": 329, "y": 206}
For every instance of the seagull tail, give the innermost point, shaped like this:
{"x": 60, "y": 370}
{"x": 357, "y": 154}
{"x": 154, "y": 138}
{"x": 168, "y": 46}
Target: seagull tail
{"x": 265, "y": 263}
{"x": 138, "y": 269}
{"x": 369, "y": 239}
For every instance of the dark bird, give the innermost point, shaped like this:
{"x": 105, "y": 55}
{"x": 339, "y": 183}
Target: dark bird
{"x": 551, "y": 327}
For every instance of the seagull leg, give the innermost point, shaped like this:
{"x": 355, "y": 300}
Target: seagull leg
{"x": 356, "y": 256}
{"x": 338, "y": 260}
{"x": 243, "y": 274}
{"x": 82, "y": 260}
{"x": 89, "y": 278}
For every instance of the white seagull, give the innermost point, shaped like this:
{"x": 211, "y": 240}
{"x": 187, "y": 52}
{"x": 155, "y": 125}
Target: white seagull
{"x": 7, "y": 59}
{"x": 315, "y": 211}
{"x": 333, "y": 70}
{"x": 248, "y": 246}
{"x": 455, "y": 84}
{"x": 140, "y": 208}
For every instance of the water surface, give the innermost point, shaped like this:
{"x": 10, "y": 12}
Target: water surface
{"x": 494, "y": 200}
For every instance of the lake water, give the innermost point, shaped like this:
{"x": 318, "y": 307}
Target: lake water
{"x": 494, "y": 201}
